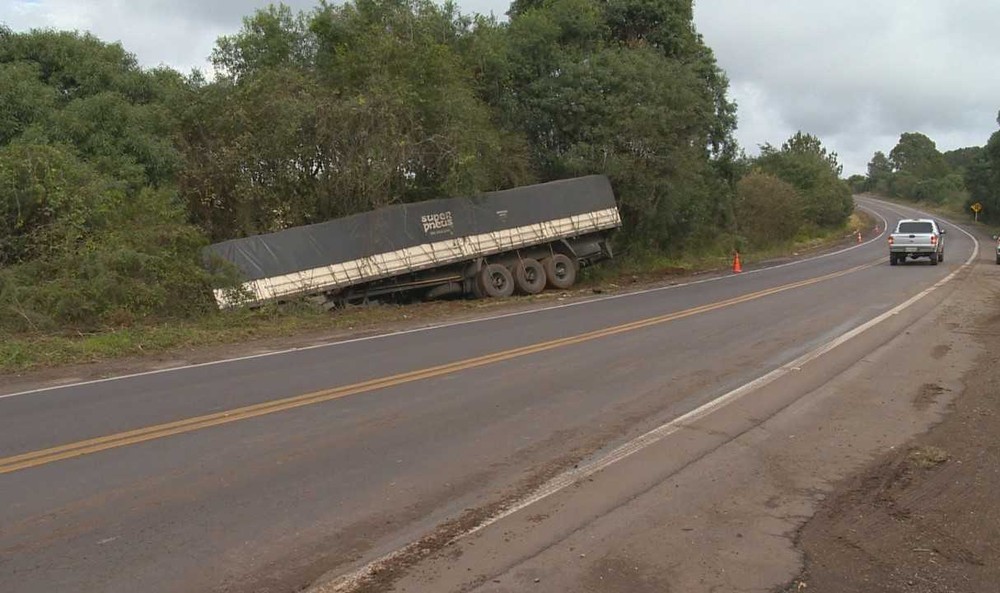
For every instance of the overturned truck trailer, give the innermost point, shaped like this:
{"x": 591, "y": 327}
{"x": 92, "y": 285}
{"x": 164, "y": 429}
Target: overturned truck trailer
{"x": 524, "y": 239}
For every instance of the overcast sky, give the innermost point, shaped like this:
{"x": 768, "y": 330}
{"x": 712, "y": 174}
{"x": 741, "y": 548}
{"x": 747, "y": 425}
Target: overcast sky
{"x": 855, "y": 73}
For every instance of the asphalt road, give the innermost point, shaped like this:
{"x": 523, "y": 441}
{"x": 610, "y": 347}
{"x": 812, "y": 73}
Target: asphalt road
{"x": 268, "y": 473}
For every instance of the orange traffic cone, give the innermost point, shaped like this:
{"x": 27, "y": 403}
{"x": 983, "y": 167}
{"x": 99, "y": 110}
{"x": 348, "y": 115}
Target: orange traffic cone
{"x": 737, "y": 268}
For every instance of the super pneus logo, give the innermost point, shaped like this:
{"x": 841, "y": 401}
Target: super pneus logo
{"x": 438, "y": 224}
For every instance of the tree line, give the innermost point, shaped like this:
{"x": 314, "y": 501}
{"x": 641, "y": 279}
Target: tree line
{"x": 916, "y": 170}
{"x": 113, "y": 177}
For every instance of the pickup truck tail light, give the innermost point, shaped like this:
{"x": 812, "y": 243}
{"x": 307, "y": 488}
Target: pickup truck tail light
{"x": 933, "y": 239}
{"x": 890, "y": 239}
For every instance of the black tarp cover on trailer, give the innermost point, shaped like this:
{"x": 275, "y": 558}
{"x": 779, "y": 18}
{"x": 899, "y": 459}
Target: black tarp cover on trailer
{"x": 407, "y": 225}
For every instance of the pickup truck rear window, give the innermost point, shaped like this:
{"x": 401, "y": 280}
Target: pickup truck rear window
{"x": 915, "y": 227}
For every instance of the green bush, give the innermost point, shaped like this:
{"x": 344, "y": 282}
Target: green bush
{"x": 768, "y": 210}
{"x": 803, "y": 162}
{"x": 144, "y": 262}
{"x": 48, "y": 200}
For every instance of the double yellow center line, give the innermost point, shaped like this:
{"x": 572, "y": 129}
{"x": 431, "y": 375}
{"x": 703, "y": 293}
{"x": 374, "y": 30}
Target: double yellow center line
{"x": 131, "y": 437}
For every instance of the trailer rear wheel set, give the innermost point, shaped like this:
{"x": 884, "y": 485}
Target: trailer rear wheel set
{"x": 525, "y": 275}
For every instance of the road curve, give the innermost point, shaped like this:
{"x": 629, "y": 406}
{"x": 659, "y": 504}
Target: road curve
{"x": 267, "y": 473}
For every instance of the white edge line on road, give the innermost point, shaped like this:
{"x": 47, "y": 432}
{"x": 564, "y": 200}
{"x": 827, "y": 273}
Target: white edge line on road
{"x": 437, "y": 326}
{"x": 585, "y": 470}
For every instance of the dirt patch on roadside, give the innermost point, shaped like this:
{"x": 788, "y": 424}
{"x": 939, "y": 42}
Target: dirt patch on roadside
{"x": 382, "y": 574}
{"x": 926, "y": 518}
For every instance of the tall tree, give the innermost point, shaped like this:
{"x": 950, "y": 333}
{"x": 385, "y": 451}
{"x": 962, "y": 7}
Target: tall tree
{"x": 628, "y": 89}
{"x": 983, "y": 178}
{"x": 960, "y": 159}
{"x": 803, "y": 162}
{"x": 337, "y": 111}
{"x": 917, "y": 155}
{"x": 879, "y": 172}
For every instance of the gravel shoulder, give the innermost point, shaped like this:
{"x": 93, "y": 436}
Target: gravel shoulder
{"x": 925, "y": 517}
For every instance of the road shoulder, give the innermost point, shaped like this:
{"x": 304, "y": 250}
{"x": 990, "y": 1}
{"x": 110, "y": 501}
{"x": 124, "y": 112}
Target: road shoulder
{"x": 925, "y": 517}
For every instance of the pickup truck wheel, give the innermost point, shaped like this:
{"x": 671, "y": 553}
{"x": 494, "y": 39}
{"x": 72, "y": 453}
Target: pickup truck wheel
{"x": 496, "y": 281}
{"x": 892, "y": 260}
{"x": 934, "y": 260}
{"x": 529, "y": 276}
{"x": 941, "y": 256}
{"x": 559, "y": 271}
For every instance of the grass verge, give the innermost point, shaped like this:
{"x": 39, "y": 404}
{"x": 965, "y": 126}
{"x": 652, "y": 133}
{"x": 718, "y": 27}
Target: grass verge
{"x": 25, "y": 352}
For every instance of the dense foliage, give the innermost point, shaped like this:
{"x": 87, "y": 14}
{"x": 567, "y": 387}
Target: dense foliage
{"x": 92, "y": 227}
{"x": 916, "y": 170}
{"x": 803, "y": 162}
{"x": 982, "y": 177}
{"x": 112, "y": 177}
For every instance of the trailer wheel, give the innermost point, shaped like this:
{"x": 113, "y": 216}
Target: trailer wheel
{"x": 560, "y": 271}
{"x": 477, "y": 289}
{"x": 496, "y": 281}
{"x": 529, "y": 276}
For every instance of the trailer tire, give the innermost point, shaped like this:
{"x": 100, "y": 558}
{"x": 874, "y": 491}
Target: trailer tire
{"x": 529, "y": 276}
{"x": 496, "y": 281}
{"x": 560, "y": 271}
{"x": 443, "y": 290}
{"x": 477, "y": 290}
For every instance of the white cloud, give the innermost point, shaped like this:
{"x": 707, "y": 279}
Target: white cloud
{"x": 858, "y": 73}
{"x": 179, "y": 34}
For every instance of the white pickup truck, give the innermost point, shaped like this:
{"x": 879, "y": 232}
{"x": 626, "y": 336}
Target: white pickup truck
{"x": 916, "y": 237}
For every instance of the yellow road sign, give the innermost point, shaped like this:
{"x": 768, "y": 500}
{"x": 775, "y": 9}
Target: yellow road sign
{"x": 977, "y": 207}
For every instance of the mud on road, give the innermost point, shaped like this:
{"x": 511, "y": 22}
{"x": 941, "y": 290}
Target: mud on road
{"x": 925, "y": 518}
